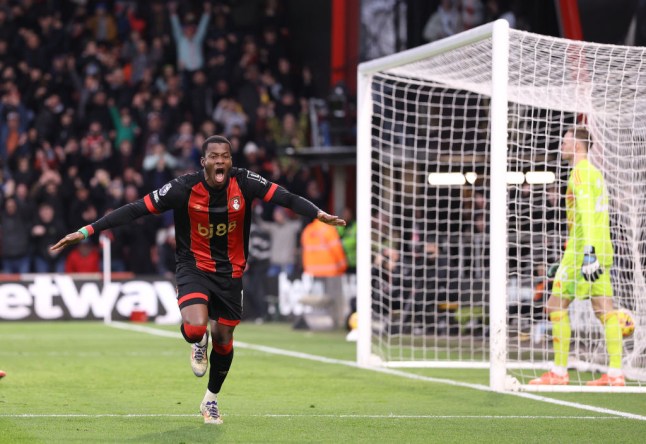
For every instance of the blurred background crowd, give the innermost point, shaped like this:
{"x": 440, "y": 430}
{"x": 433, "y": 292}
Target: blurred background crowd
{"x": 101, "y": 102}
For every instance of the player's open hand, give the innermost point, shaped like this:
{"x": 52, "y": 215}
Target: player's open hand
{"x": 330, "y": 219}
{"x": 70, "y": 239}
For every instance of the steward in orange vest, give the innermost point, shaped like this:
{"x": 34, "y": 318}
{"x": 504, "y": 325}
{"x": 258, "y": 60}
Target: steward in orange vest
{"x": 323, "y": 254}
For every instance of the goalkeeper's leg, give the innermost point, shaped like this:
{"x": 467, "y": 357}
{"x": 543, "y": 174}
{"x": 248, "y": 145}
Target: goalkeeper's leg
{"x": 557, "y": 308}
{"x": 604, "y": 310}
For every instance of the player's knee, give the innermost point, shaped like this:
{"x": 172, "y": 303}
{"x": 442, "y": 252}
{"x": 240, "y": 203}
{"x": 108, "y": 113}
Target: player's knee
{"x": 223, "y": 348}
{"x": 605, "y": 317}
{"x": 558, "y": 315}
{"x": 192, "y": 333}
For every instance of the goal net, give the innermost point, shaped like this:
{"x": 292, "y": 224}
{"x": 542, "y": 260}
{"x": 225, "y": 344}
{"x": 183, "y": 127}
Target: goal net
{"x": 462, "y": 194}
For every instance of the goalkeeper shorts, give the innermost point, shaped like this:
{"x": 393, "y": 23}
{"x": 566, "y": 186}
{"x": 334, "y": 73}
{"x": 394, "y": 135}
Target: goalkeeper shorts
{"x": 570, "y": 284}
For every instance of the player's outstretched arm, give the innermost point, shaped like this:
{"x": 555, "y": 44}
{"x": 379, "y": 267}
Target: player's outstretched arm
{"x": 120, "y": 216}
{"x": 300, "y": 205}
{"x": 70, "y": 239}
{"x": 330, "y": 219}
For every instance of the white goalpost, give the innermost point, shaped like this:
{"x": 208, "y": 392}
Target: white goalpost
{"x": 461, "y": 202}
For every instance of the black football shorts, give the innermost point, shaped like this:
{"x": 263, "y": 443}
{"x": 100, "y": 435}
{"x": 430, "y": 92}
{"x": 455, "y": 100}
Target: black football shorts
{"x": 221, "y": 294}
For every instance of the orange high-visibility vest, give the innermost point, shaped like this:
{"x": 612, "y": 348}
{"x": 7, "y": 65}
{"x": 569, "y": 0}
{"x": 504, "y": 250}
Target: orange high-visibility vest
{"x": 323, "y": 254}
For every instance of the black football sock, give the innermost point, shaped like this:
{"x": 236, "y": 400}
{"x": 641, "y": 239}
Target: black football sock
{"x": 220, "y": 364}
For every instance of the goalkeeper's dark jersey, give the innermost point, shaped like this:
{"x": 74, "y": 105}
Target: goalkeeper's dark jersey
{"x": 211, "y": 225}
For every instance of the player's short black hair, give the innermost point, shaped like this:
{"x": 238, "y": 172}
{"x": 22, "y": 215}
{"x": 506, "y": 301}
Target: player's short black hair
{"x": 214, "y": 139}
{"x": 581, "y": 135}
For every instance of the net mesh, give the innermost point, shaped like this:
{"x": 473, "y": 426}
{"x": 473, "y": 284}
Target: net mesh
{"x": 430, "y": 247}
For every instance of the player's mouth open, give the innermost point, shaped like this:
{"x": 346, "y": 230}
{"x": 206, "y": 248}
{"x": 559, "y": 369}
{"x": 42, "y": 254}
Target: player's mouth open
{"x": 219, "y": 175}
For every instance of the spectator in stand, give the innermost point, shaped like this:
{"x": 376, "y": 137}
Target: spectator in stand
{"x": 158, "y": 167}
{"x": 139, "y": 238}
{"x": 102, "y": 24}
{"x": 11, "y": 135}
{"x": 98, "y": 109}
{"x": 125, "y": 127}
{"x": 45, "y": 233}
{"x": 52, "y": 32}
{"x": 444, "y": 22}
{"x": 271, "y": 48}
{"x": 16, "y": 228}
{"x": 166, "y": 244}
{"x": 255, "y": 277}
{"x": 98, "y": 187}
{"x": 286, "y": 76}
{"x": 283, "y": 232}
{"x": 273, "y": 15}
{"x": 24, "y": 173}
{"x": 250, "y": 91}
{"x": 229, "y": 113}
{"x": 132, "y": 177}
{"x": 142, "y": 60}
{"x": 189, "y": 40}
{"x": 14, "y": 118}
{"x": 52, "y": 189}
{"x": 157, "y": 23}
{"x": 47, "y": 121}
{"x": 154, "y": 132}
{"x": 7, "y": 28}
{"x": 123, "y": 158}
{"x": 25, "y": 204}
{"x": 250, "y": 158}
{"x": 34, "y": 52}
{"x": 164, "y": 79}
{"x": 289, "y": 131}
{"x": 184, "y": 148}
{"x": 200, "y": 98}
{"x": 472, "y": 13}
{"x": 61, "y": 79}
{"x": 237, "y": 152}
{"x": 307, "y": 87}
{"x": 219, "y": 58}
{"x": 85, "y": 258}
{"x": 313, "y": 191}
{"x": 81, "y": 208}
{"x": 250, "y": 57}
{"x": 67, "y": 129}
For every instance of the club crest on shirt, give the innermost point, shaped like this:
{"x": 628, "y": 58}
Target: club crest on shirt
{"x": 235, "y": 203}
{"x": 164, "y": 189}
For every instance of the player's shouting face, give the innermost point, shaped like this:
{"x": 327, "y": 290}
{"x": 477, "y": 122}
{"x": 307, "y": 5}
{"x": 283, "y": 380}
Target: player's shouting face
{"x": 217, "y": 163}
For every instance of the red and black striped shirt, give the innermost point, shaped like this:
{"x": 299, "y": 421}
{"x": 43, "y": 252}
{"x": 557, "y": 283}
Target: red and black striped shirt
{"x": 211, "y": 225}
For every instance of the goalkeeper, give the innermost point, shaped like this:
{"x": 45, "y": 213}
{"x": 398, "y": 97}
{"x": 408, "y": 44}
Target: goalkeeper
{"x": 584, "y": 271}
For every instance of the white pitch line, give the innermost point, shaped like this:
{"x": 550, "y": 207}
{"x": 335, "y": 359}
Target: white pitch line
{"x": 307, "y": 356}
{"x": 278, "y": 415}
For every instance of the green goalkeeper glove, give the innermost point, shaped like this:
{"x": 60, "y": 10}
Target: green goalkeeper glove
{"x": 591, "y": 268}
{"x": 551, "y": 272}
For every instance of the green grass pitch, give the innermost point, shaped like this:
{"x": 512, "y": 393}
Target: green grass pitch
{"x": 73, "y": 382}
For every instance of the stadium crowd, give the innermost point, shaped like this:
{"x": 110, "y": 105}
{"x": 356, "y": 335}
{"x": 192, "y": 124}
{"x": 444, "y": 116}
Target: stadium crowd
{"x": 101, "y": 102}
